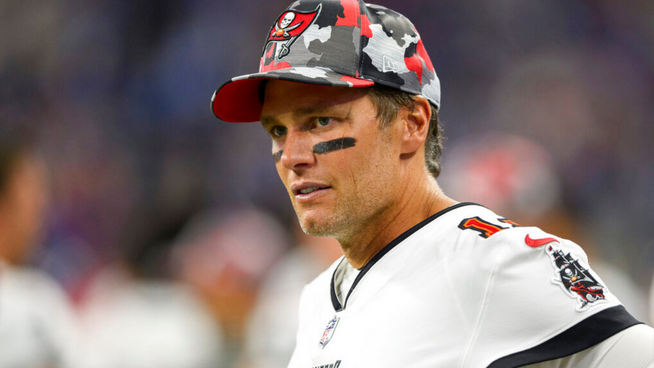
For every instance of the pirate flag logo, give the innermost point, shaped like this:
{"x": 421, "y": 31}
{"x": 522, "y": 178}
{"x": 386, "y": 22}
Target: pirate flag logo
{"x": 288, "y": 27}
{"x": 576, "y": 280}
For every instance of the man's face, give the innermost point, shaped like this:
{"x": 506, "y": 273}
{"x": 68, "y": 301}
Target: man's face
{"x": 23, "y": 207}
{"x": 339, "y": 187}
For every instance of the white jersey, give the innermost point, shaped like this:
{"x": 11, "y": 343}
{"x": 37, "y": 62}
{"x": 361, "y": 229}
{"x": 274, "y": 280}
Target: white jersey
{"x": 464, "y": 288}
{"x": 37, "y": 323}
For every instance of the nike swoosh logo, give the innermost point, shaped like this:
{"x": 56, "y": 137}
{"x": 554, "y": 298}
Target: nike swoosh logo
{"x": 535, "y": 243}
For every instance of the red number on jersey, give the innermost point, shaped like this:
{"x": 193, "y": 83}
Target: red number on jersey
{"x": 484, "y": 227}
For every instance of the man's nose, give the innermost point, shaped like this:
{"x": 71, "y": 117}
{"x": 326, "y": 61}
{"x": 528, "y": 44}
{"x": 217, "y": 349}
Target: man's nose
{"x": 298, "y": 151}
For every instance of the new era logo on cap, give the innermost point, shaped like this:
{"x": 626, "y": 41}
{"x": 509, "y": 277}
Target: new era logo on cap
{"x": 340, "y": 43}
{"x": 388, "y": 65}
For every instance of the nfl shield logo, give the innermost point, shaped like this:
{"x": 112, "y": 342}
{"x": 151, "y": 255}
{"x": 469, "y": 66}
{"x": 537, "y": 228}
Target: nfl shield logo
{"x": 329, "y": 331}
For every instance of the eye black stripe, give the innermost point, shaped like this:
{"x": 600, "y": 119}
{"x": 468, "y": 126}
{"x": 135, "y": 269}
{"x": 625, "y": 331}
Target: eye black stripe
{"x": 278, "y": 155}
{"x": 334, "y": 145}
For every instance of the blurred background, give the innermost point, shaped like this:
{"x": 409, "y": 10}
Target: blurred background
{"x": 157, "y": 236}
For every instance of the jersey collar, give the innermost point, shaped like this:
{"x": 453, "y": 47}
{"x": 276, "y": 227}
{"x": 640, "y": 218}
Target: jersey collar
{"x": 336, "y": 303}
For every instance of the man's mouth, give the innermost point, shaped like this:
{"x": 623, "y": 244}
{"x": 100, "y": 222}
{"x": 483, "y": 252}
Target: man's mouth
{"x": 311, "y": 189}
{"x": 308, "y": 188}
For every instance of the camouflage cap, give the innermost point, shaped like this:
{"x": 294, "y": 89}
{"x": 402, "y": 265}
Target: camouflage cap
{"x": 333, "y": 42}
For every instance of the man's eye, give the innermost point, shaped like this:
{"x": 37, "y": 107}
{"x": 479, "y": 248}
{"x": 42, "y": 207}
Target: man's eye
{"x": 278, "y": 131}
{"x": 323, "y": 121}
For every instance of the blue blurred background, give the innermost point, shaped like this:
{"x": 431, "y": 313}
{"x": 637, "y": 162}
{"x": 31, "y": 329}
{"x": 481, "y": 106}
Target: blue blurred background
{"x": 556, "y": 96}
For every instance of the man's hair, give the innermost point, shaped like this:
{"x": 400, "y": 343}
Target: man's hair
{"x": 389, "y": 101}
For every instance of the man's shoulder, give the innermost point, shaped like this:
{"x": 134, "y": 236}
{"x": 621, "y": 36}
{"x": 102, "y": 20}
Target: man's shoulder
{"x": 470, "y": 230}
{"x": 482, "y": 224}
{"x": 536, "y": 288}
{"x": 477, "y": 227}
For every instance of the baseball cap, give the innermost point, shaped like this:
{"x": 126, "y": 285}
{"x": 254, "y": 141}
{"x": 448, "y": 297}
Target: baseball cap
{"x": 345, "y": 43}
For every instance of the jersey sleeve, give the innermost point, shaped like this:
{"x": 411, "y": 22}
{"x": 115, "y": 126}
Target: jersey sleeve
{"x": 543, "y": 301}
{"x": 632, "y": 347}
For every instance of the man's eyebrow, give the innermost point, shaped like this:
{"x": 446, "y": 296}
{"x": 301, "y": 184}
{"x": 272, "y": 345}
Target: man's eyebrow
{"x": 299, "y": 112}
{"x": 303, "y": 111}
{"x": 268, "y": 120}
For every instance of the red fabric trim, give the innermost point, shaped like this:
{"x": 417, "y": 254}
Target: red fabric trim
{"x": 357, "y": 82}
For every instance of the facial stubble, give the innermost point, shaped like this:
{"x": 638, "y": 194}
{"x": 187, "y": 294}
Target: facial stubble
{"x": 361, "y": 208}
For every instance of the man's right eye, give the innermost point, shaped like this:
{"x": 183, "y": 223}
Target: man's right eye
{"x": 278, "y": 131}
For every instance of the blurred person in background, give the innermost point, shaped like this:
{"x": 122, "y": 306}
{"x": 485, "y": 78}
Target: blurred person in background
{"x": 137, "y": 313}
{"x": 132, "y": 321}
{"x": 37, "y": 323}
{"x": 271, "y": 329}
{"x": 518, "y": 177}
{"x": 225, "y": 254}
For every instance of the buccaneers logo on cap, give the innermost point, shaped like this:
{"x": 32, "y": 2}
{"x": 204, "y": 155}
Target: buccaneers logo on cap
{"x": 289, "y": 26}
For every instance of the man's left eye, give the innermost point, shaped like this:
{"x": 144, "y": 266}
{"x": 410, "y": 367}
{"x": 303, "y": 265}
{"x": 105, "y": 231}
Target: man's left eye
{"x": 323, "y": 121}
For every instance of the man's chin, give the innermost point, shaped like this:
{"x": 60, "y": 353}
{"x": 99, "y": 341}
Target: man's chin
{"x": 315, "y": 227}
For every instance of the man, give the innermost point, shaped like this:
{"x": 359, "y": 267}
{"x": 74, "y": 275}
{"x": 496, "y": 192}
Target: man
{"x": 37, "y": 324}
{"x": 350, "y": 98}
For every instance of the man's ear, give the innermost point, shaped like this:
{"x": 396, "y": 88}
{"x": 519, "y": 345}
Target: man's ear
{"x": 415, "y": 125}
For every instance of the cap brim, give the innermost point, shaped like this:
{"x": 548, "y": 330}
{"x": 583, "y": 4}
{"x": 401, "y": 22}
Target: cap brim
{"x": 237, "y": 101}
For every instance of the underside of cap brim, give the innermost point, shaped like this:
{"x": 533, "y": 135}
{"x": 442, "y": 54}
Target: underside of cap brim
{"x": 237, "y": 101}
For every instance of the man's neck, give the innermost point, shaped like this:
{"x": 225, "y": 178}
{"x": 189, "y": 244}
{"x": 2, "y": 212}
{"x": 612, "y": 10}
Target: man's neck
{"x": 418, "y": 203}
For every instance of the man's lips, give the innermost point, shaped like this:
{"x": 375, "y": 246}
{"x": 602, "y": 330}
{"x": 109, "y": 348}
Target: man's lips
{"x": 308, "y": 189}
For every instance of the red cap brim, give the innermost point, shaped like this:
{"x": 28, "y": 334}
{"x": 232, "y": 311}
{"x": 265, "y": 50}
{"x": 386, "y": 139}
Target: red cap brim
{"x": 237, "y": 101}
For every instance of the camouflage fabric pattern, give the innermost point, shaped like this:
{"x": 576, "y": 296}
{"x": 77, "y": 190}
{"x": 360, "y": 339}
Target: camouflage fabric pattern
{"x": 340, "y": 43}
